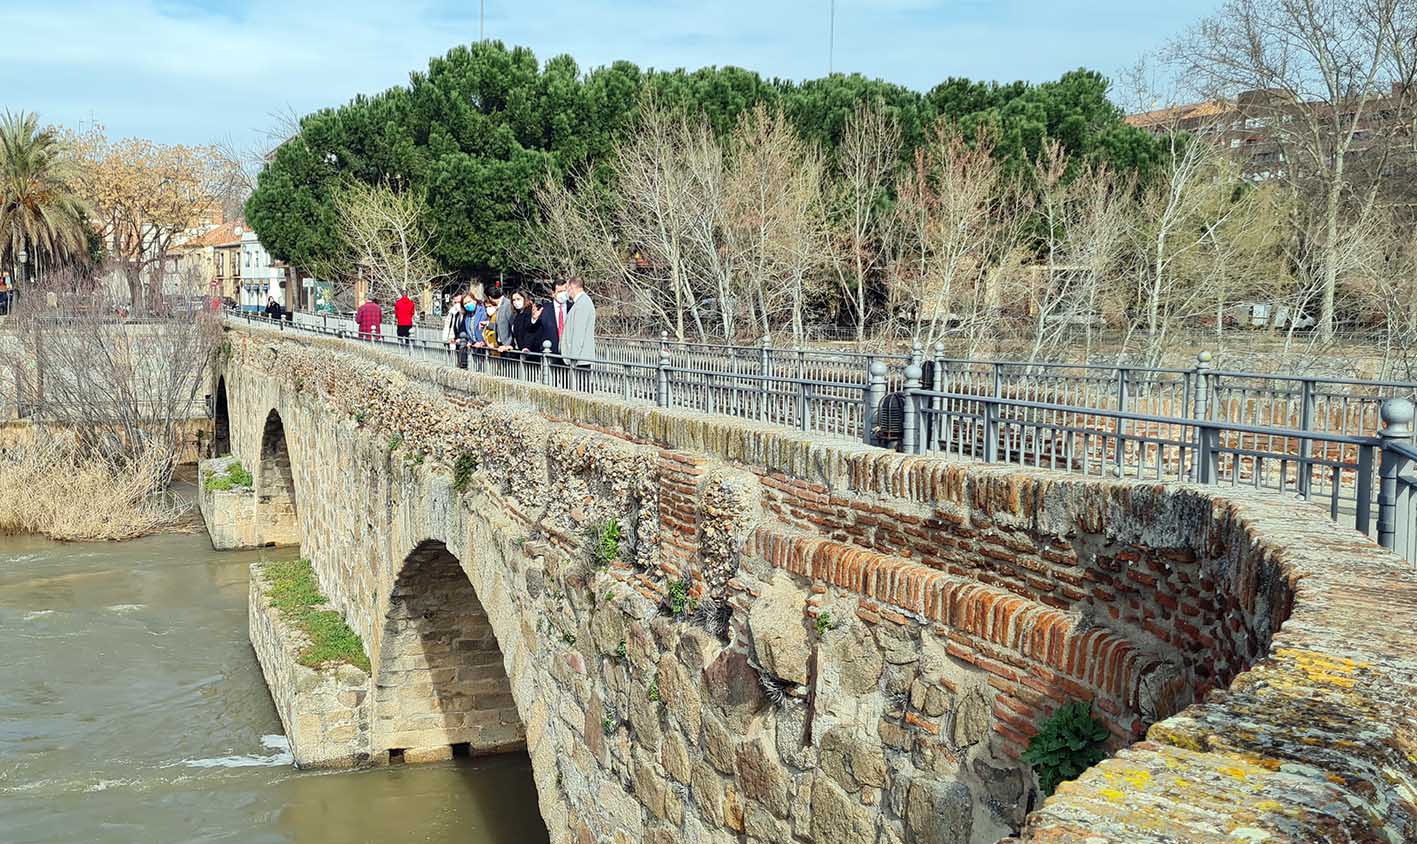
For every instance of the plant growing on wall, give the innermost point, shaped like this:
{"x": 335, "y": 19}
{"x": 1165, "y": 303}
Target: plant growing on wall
{"x": 463, "y": 468}
{"x": 607, "y": 544}
{"x": 1069, "y": 742}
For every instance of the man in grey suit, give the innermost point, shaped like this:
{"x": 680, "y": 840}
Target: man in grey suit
{"x": 578, "y": 339}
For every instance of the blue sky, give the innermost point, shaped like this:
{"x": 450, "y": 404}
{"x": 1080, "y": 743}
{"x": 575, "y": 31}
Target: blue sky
{"x": 195, "y": 71}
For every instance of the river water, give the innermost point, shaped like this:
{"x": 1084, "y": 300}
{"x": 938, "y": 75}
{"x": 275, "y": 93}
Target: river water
{"x": 132, "y": 709}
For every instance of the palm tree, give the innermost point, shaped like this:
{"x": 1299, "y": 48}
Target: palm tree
{"x": 39, "y": 210}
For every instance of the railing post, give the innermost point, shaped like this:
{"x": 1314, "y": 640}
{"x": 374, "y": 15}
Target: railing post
{"x": 875, "y": 393}
{"x": 991, "y": 430}
{"x": 802, "y": 408}
{"x": 1203, "y": 385}
{"x": 1394, "y": 509}
{"x": 934, "y": 428}
{"x": 546, "y": 362}
{"x": 910, "y": 413}
{"x": 1306, "y": 446}
{"x": 1207, "y": 455}
{"x": 1200, "y": 463}
{"x": 661, "y": 389}
{"x": 765, "y": 362}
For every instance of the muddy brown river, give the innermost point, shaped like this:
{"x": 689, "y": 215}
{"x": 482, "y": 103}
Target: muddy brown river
{"x": 132, "y": 710}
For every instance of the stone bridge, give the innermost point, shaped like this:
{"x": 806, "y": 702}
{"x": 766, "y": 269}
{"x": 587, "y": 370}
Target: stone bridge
{"x": 797, "y": 639}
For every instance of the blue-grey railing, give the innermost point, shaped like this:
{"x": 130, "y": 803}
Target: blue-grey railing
{"x": 1199, "y": 425}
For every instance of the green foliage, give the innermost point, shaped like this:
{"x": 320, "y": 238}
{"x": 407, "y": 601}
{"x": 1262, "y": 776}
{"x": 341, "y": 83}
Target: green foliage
{"x": 824, "y": 623}
{"x": 235, "y": 476}
{"x": 609, "y": 595}
{"x": 485, "y": 123}
{"x": 296, "y": 593}
{"x": 395, "y": 440}
{"x": 240, "y": 475}
{"x": 463, "y": 468}
{"x": 568, "y": 637}
{"x": 360, "y": 416}
{"x": 652, "y": 693}
{"x": 607, "y": 544}
{"x": 678, "y": 596}
{"x": 620, "y": 650}
{"x": 1068, "y": 743}
{"x": 607, "y": 724}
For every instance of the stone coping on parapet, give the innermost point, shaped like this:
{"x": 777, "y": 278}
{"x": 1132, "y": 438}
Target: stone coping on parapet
{"x": 1317, "y": 741}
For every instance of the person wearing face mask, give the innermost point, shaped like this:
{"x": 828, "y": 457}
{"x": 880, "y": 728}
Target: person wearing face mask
{"x": 561, "y": 303}
{"x": 468, "y": 336}
{"x": 518, "y": 322}
{"x": 578, "y": 338}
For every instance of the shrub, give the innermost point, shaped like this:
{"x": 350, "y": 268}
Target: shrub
{"x": 607, "y": 544}
{"x": 824, "y": 623}
{"x": 235, "y": 476}
{"x": 395, "y": 440}
{"x": 652, "y": 693}
{"x": 53, "y": 487}
{"x": 239, "y": 475}
{"x": 1069, "y": 742}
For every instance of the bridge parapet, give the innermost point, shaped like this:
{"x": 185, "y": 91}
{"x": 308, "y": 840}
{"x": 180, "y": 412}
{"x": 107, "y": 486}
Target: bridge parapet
{"x": 800, "y": 639}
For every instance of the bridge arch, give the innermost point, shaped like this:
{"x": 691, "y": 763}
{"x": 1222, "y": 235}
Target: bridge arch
{"x": 221, "y": 420}
{"x": 276, "y": 494}
{"x": 440, "y": 685}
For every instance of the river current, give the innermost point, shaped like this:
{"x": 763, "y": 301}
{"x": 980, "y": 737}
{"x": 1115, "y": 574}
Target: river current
{"x": 132, "y": 709}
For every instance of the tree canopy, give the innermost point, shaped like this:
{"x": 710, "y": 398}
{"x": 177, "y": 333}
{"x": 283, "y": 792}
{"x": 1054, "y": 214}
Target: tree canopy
{"x": 485, "y": 124}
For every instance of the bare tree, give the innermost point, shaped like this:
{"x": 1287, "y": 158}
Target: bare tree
{"x": 1083, "y": 220}
{"x": 121, "y": 385}
{"x": 1201, "y": 236}
{"x": 773, "y": 218}
{"x": 386, "y": 240}
{"x": 1330, "y": 82}
{"x": 957, "y": 234}
{"x": 865, "y": 160}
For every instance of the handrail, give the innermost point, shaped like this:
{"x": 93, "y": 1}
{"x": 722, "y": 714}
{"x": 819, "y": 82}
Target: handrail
{"x": 1364, "y": 472}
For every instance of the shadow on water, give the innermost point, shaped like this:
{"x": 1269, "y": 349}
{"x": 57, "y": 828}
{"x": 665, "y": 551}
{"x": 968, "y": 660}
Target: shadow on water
{"x": 133, "y": 710}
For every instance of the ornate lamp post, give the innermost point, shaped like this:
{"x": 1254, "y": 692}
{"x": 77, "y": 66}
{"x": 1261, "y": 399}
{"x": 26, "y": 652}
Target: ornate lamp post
{"x": 23, "y": 257}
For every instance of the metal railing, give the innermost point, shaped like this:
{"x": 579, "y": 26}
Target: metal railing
{"x": 1353, "y": 453}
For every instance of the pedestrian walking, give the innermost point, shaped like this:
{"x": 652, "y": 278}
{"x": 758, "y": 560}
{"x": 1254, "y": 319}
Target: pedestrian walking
{"x": 403, "y": 317}
{"x": 370, "y": 319}
{"x": 578, "y": 337}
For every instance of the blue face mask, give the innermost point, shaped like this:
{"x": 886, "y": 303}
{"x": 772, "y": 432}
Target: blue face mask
{"x": 470, "y": 307}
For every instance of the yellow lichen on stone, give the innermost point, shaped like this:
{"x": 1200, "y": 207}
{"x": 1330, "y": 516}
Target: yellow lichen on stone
{"x": 1323, "y": 668}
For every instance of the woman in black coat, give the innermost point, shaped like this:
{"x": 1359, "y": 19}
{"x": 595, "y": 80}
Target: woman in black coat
{"x": 539, "y": 326}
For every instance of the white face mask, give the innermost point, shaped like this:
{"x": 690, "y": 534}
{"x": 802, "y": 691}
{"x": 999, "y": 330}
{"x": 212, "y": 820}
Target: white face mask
{"x": 561, "y": 296}
{"x": 492, "y": 310}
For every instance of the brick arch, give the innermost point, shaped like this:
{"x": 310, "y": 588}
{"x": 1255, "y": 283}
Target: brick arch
{"x": 440, "y": 685}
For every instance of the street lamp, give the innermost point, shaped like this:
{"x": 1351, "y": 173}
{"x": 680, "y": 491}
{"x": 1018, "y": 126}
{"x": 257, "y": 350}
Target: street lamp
{"x": 23, "y": 257}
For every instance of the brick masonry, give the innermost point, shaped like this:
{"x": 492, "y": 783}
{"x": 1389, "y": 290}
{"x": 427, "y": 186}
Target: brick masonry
{"x": 868, "y": 640}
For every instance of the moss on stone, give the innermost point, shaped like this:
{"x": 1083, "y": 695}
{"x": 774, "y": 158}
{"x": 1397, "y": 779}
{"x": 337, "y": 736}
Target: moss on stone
{"x": 293, "y": 589}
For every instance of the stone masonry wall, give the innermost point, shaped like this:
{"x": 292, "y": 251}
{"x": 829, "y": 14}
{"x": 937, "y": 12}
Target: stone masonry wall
{"x": 326, "y": 711}
{"x": 866, "y": 640}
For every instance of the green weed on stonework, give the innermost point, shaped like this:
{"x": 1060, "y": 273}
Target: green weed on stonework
{"x": 607, "y": 544}
{"x": 463, "y": 468}
{"x": 234, "y": 477}
{"x": 1069, "y": 742}
{"x": 295, "y": 592}
{"x": 678, "y": 597}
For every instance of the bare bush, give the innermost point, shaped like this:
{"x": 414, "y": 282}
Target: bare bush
{"x": 56, "y": 486}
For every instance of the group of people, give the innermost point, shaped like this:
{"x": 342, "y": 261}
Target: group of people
{"x": 519, "y": 323}
{"x": 498, "y": 323}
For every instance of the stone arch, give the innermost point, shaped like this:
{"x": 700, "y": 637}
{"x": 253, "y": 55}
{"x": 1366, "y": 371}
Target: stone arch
{"x": 275, "y": 486}
{"x": 440, "y": 686}
{"x": 221, "y": 420}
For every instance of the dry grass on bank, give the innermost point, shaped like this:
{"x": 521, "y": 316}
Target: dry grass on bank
{"x": 48, "y": 486}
